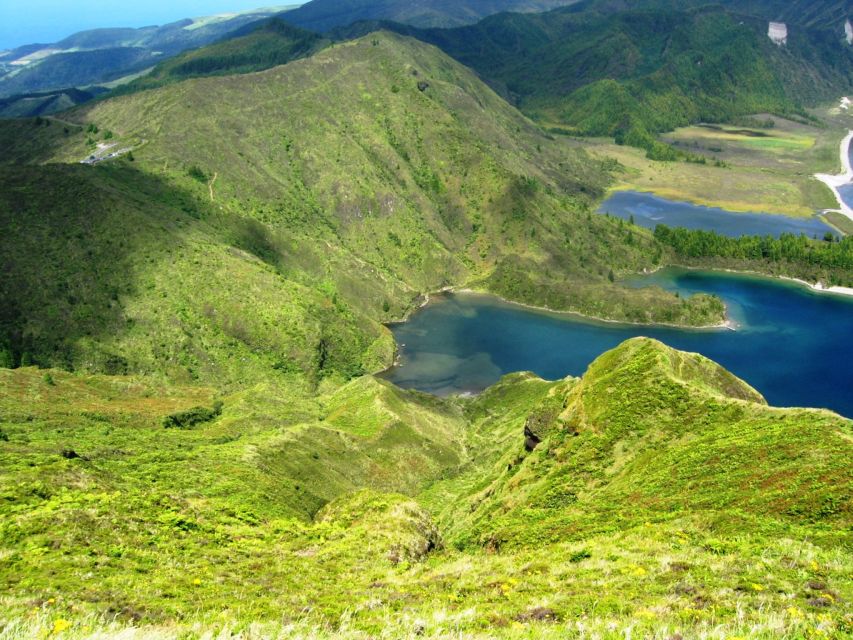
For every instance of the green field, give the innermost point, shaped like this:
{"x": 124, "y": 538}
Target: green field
{"x": 766, "y": 170}
{"x": 840, "y": 222}
{"x": 735, "y": 140}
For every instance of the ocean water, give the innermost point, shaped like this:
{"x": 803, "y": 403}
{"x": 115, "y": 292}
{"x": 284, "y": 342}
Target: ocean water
{"x": 792, "y": 344}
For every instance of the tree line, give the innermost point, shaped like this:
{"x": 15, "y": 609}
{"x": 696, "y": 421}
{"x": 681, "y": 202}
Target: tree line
{"x": 830, "y": 253}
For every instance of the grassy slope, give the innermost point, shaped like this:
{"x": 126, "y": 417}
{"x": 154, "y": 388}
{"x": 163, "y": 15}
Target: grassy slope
{"x": 601, "y": 450}
{"x": 253, "y": 253}
{"x": 684, "y": 504}
{"x": 110, "y": 270}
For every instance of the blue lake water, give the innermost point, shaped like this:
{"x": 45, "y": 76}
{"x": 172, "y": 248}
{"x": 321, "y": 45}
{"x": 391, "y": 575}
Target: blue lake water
{"x": 792, "y": 344}
{"x": 649, "y": 211}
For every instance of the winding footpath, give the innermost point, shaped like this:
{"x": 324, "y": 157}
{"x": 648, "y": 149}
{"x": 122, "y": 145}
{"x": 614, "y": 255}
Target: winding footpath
{"x": 833, "y": 182}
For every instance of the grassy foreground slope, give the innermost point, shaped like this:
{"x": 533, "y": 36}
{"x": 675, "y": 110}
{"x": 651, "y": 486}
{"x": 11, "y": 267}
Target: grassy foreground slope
{"x": 662, "y": 496}
{"x": 265, "y": 224}
{"x": 207, "y": 456}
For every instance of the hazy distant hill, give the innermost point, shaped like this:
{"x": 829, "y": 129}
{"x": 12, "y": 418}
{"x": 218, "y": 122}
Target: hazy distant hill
{"x": 103, "y": 55}
{"x": 322, "y": 15}
{"x": 37, "y": 104}
{"x": 256, "y": 47}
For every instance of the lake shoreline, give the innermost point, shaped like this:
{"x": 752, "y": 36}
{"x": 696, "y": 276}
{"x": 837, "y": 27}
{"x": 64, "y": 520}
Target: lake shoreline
{"x": 687, "y": 198}
{"x": 649, "y": 210}
{"x": 727, "y": 324}
{"x": 818, "y": 287}
{"x": 462, "y": 343}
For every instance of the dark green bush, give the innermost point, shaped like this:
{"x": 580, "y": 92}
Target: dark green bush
{"x": 196, "y": 173}
{"x": 192, "y": 417}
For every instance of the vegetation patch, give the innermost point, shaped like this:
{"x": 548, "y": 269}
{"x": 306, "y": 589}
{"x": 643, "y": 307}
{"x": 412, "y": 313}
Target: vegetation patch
{"x": 192, "y": 417}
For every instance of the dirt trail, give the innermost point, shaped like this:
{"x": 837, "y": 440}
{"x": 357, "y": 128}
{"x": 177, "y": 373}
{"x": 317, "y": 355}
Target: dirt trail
{"x": 211, "y": 183}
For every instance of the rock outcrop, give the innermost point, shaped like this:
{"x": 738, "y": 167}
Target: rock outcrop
{"x": 778, "y": 33}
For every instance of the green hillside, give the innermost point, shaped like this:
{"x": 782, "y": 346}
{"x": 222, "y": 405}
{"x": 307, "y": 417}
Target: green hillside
{"x": 623, "y": 70}
{"x": 267, "y": 224}
{"x": 602, "y": 446}
{"x": 634, "y": 73}
{"x": 680, "y": 503}
{"x": 195, "y": 280}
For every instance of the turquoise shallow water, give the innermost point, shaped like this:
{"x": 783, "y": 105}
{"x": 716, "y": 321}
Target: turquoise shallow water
{"x": 649, "y": 211}
{"x": 794, "y": 345}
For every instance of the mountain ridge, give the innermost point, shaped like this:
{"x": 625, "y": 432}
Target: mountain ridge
{"x": 636, "y": 73}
